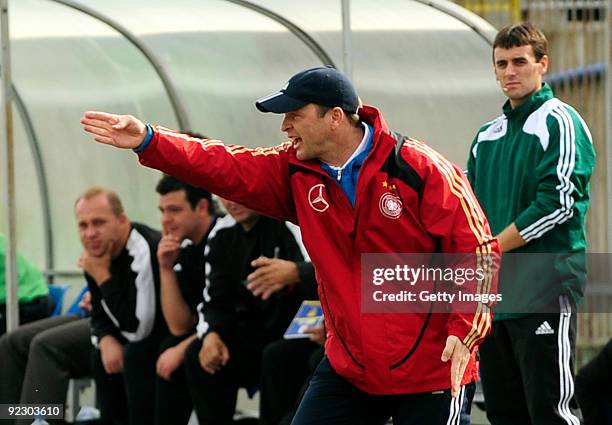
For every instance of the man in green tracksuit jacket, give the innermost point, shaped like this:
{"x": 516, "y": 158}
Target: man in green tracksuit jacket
{"x": 33, "y": 292}
{"x": 530, "y": 170}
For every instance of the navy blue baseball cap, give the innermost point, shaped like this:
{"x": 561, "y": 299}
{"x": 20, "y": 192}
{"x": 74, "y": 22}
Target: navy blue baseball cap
{"x": 323, "y": 86}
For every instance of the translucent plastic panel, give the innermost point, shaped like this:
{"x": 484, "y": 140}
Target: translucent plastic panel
{"x": 430, "y": 73}
{"x": 65, "y": 62}
{"x": 29, "y": 215}
{"x": 222, "y": 56}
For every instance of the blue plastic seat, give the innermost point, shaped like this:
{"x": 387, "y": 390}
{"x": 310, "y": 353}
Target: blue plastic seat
{"x": 57, "y": 291}
{"x": 74, "y": 307}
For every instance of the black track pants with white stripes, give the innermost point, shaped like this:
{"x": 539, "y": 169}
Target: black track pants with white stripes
{"x": 527, "y": 369}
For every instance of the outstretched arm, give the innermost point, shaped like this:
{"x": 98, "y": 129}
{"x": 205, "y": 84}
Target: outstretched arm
{"x": 257, "y": 178}
{"x": 122, "y": 131}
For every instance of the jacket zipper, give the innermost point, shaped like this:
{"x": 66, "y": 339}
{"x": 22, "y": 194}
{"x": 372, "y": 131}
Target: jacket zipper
{"x": 331, "y": 321}
{"x": 417, "y": 342}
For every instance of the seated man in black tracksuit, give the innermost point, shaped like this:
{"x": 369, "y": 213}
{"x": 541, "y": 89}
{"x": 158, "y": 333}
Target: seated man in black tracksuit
{"x": 120, "y": 265}
{"x": 236, "y": 324}
{"x": 187, "y": 218}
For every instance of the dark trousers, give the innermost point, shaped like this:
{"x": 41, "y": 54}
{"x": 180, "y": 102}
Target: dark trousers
{"x": 527, "y": 368}
{"x": 285, "y": 367}
{"x": 37, "y": 309}
{"x": 332, "y": 400}
{"x": 214, "y": 396}
{"x": 593, "y": 388}
{"x": 56, "y": 356}
{"x": 172, "y": 400}
{"x": 313, "y": 362}
{"x": 128, "y": 397}
{"x": 110, "y": 392}
{"x": 39, "y": 358}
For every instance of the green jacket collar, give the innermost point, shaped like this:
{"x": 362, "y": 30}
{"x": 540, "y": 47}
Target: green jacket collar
{"x": 532, "y": 103}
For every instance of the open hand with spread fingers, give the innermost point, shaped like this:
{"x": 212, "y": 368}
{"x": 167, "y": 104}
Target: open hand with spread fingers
{"x": 122, "y": 131}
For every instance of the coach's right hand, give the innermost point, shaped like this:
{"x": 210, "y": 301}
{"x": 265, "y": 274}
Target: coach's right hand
{"x": 122, "y": 131}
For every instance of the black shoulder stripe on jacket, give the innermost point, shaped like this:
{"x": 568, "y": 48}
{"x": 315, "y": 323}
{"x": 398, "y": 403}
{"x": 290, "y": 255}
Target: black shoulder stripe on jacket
{"x": 293, "y": 169}
{"x": 397, "y": 167}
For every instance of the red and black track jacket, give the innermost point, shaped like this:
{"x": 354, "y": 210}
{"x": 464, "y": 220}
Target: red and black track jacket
{"x": 439, "y": 213}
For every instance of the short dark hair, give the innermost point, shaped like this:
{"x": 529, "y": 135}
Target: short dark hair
{"x": 193, "y": 194}
{"x": 522, "y": 34}
{"x": 352, "y": 117}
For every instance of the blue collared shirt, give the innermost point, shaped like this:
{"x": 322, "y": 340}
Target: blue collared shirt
{"x": 347, "y": 175}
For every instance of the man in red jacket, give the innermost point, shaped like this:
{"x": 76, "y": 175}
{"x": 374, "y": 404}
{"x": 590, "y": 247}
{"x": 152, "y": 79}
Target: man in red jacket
{"x": 353, "y": 187}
